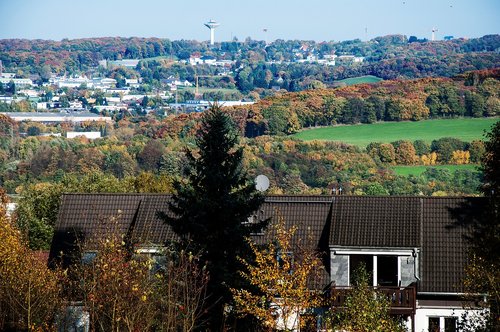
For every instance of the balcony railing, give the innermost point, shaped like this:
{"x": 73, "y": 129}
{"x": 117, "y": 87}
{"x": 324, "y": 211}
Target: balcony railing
{"x": 401, "y": 299}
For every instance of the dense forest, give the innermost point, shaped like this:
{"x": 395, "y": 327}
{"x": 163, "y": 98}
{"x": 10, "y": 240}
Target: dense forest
{"x": 153, "y": 146}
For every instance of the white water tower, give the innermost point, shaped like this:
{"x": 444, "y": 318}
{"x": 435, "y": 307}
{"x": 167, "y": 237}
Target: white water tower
{"x": 212, "y": 25}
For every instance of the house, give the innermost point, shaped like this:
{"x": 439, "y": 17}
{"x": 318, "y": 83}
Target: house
{"x": 129, "y": 63}
{"x": 19, "y": 82}
{"x": 71, "y": 82}
{"x": 173, "y": 82}
{"x": 51, "y": 117}
{"x": 346, "y": 59}
{"x": 407, "y": 243}
{"x": 196, "y": 59}
{"x": 7, "y": 75}
{"x": 133, "y": 82}
{"x": 87, "y": 134}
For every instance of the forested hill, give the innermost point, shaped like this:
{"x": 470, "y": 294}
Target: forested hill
{"x": 474, "y": 94}
{"x": 387, "y": 57}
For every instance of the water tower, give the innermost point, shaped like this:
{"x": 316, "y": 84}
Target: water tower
{"x": 212, "y": 25}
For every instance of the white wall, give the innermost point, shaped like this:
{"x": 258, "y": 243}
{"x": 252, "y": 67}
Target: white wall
{"x": 88, "y": 134}
{"x": 423, "y": 313}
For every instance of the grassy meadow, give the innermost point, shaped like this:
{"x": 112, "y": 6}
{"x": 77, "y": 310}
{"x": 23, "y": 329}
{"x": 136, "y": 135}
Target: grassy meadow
{"x": 466, "y": 129}
{"x": 418, "y": 170}
{"x": 360, "y": 80}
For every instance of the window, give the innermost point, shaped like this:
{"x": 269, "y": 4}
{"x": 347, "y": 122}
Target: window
{"x": 387, "y": 270}
{"x": 387, "y": 266}
{"x": 355, "y": 261}
{"x": 88, "y": 257}
{"x": 384, "y": 269}
{"x": 434, "y": 324}
{"x": 155, "y": 254}
{"x": 450, "y": 324}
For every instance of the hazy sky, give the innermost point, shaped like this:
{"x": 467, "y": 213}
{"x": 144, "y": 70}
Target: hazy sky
{"x": 320, "y": 20}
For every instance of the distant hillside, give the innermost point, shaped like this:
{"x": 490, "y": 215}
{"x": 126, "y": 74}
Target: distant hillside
{"x": 258, "y": 65}
{"x": 473, "y": 94}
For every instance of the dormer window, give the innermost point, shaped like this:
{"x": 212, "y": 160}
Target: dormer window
{"x": 388, "y": 268}
{"x": 383, "y": 268}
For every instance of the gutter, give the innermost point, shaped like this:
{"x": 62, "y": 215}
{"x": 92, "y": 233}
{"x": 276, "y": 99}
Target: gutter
{"x": 416, "y": 269}
{"x": 445, "y": 294}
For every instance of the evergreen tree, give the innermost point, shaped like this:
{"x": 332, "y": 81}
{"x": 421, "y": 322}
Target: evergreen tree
{"x": 482, "y": 273}
{"x": 212, "y": 206}
{"x": 487, "y": 232}
{"x": 491, "y": 162}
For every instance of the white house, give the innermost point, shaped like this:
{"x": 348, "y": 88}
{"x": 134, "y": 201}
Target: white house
{"x": 87, "y": 134}
{"x": 49, "y": 117}
{"x": 19, "y": 82}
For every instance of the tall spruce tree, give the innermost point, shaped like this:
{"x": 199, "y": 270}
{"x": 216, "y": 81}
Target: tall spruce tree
{"x": 482, "y": 219}
{"x": 486, "y": 236}
{"x": 212, "y": 206}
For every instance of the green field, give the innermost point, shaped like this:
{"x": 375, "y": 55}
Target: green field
{"x": 466, "y": 129}
{"x": 360, "y": 80}
{"x": 418, "y": 170}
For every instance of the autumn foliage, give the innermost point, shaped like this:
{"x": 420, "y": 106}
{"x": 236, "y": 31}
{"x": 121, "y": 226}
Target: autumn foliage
{"x": 30, "y": 293}
{"x": 364, "y": 310}
{"x": 139, "y": 289}
{"x": 281, "y": 275}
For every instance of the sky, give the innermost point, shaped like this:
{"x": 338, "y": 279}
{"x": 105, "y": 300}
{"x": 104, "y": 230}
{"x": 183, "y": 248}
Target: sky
{"x": 319, "y": 20}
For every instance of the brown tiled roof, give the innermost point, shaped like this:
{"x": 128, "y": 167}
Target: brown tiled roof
{"x": 308, "y": 213}
{"x": 357, "y": 221}
{"x": 444, "y": 248}
{"x": 94, "y": 214}
{"x": 371, "y": 221}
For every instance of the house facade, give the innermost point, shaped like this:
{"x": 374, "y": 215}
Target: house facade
{"x": 409, "y": 244}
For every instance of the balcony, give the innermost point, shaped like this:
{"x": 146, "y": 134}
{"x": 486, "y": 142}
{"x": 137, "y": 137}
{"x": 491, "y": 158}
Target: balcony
{"x": 402, "y": 299}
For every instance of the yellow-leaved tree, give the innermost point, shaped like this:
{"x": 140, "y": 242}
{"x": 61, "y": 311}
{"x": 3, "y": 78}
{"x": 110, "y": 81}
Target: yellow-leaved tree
{"x": 124, "y": 287}
{"x": 364, "y": 309}
{"x": 281, "y": 277}
{"x": 30, "y": 293}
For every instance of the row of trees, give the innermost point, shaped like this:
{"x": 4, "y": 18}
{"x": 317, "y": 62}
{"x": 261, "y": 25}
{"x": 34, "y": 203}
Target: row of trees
{"x": 292, "y": 165}
{"x": 447, "y": 150}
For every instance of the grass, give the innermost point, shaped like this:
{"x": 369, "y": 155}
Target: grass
{"x": 466, "y": 129}
{"x": 360, "y": 80}
{"x": 418, "y": 170}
